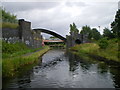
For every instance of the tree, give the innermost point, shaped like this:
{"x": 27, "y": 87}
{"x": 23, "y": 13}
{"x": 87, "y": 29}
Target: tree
{"x": 8, "y": 17}
{"x": 91, "y": 33}
{"x": 115, "y": 25}
{"x": 73, "y": 28}
{"x": 86, "y": 30}
{"x": 95, "y": 34}
{"x": 107, "y": 33}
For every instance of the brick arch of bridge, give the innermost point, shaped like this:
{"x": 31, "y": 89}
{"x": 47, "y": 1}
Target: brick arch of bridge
{"x": 52, "y": 33}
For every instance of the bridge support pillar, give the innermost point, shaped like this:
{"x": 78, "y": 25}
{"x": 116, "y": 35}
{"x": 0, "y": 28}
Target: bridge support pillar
{"x": 30, "y": 37}
{"x": 73, "y": 39}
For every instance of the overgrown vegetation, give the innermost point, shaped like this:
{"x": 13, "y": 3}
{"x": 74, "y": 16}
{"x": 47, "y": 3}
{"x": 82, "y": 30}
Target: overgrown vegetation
{"x": 103, "y": 43}
{"x": 11, "y": 65}
{"x": 9, "y": 25}
{"x": 108, "y": 33}
{"x": 111, "y": 52}
{"x": 14, "y": 49}
{"x": 8, "y": 17}
{"x": 8, "y": 20}
{"x": 13, "y": 57}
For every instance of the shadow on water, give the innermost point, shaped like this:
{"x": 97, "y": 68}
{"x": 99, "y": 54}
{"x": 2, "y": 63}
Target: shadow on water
{"x": 60, "y": 69}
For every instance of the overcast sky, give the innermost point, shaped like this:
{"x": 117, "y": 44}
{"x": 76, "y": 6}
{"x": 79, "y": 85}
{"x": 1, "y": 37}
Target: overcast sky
{"x": 58, "y": 16}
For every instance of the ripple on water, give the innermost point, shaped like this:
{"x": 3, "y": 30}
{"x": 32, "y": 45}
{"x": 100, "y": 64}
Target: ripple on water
{"x": 67, "y": 71}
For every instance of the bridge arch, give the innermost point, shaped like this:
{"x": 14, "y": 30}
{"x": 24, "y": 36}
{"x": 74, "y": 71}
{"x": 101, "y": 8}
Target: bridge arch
{"x": 52, "y": 33}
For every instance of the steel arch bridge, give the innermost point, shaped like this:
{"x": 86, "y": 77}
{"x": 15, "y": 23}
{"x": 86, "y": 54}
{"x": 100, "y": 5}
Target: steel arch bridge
{"x": 52, "y": 33}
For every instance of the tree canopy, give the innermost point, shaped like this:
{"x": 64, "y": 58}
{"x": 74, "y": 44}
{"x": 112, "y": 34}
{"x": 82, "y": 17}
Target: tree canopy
{"x": 92, "y": 33}
{"x": 95, "y": 34}
{"x": 107, "y": 33}
{"x": 73, "y": 28}
{"x": 85, "y": 30}
{"x": 8, "y": 17}
{"x": 115, "y": 25}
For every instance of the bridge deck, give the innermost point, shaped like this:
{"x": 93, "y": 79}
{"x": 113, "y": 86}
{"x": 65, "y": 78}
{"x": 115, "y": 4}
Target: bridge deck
{"x": 52, "y": 33}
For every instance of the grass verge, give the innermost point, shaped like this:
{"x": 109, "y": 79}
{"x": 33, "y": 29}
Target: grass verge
{"x": 9, "y": 25}
{"x": 11, "y": 65}
{"x": 110, "y": 53}
{"x": 19, "y": 53}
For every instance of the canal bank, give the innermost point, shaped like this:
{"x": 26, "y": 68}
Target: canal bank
{"x": 60, "y": 69}
{"x": 12, "y": 65}
{"x": 109, "y": 55}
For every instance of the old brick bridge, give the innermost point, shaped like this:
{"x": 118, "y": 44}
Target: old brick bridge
{"x": 33, "y": 37}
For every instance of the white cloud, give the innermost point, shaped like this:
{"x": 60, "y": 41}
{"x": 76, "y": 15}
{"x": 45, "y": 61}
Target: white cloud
{"x": 60, "y": 0}
{"x": 58, "y": 16}
{"x": 24, "y": 6}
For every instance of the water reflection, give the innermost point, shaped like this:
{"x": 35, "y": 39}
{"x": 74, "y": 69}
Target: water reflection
{"x": 102, "y": 68}
{"x": 73, "y": 62}
{"x": 115, "y": 73}
{"x": 57, "y": 69}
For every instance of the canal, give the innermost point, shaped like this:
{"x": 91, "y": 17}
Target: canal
{"x": 58, "y": 69}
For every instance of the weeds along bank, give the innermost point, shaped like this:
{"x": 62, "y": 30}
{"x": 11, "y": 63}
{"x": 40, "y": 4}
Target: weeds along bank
{"x": 15, "y": 55}
{"x": 9, "y": 25}
{"x": 109, "y": 51}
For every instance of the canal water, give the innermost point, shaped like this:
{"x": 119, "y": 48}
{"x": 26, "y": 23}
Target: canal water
{"x": 58, "y": 69}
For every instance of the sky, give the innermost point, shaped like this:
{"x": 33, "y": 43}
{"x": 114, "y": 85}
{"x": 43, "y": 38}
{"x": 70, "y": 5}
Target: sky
{"x": 58, "y": 15}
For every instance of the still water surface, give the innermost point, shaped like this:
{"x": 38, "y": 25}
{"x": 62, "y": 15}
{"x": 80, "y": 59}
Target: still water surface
{"x": 66, "y": 70}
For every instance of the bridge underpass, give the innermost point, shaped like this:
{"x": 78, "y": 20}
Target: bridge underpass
{"x": 52, "y": 33}
{"x": 55, "y": 43}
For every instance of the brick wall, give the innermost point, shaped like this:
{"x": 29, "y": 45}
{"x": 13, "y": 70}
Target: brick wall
{"x": 23, "y": 34}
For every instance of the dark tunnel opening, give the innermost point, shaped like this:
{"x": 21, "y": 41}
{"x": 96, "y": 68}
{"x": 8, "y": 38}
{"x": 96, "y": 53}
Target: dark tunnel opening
{"x": 78, "y": 41}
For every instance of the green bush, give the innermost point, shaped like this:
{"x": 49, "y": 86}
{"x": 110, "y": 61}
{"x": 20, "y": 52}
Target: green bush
{"x": 8, "y": 17}
{"x": 10, "y": 48}
{"x": 103, "y": 43}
